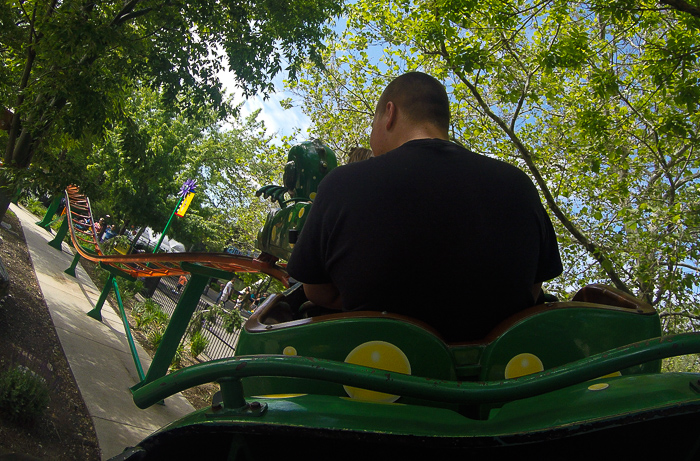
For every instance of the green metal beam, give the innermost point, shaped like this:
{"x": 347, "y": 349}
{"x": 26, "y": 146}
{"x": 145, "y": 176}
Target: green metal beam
{"x": 414, "y": 386}
{"x": 96, "y": 312}
{"x": 71, "y": 270}
{"x": 127, "y": 330}
{"x": 62, "y": 231}
{"x": 50, "y": 211}
{"x": 176, "y": 328}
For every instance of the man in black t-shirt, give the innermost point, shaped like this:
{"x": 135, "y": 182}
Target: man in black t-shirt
{"x": 426, "y": 228}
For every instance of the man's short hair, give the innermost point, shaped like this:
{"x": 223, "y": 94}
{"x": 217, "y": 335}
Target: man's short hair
{"x": 421, "y": 97}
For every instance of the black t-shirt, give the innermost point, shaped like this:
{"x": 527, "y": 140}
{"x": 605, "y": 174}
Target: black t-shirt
{"x": 432, "y": 231}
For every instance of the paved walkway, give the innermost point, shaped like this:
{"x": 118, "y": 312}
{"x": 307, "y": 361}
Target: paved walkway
{"x": 97, "y": 352}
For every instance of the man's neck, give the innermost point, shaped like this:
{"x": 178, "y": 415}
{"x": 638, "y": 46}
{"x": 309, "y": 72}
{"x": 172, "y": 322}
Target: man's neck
{"x": 414, "y": 132}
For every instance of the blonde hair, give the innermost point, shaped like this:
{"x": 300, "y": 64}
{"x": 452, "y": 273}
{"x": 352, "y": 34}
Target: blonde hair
{"x": 358, "y": 154}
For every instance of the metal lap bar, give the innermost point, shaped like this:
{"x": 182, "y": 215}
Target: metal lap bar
{"x": 458, "y": 392}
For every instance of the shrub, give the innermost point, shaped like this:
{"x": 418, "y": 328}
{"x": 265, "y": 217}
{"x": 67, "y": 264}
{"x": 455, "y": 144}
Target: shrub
{"x": 196, "y": 323}
{"x": 120, "y": 241}
{"x": 33, "y": 205}
{"x": 155, "y": 337}
{"x": 149, "y": 315}
{"x": 198, "y": 343}
{"x": 231, "y": 321}
{"x": 683, "y": 364}
{"x": 129, "y": 289}
{"x": 210, "y": 316}
{"x": 24, "y": 395}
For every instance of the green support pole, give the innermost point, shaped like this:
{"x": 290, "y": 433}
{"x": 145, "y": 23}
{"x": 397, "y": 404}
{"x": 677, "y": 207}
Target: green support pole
{"x": 180, "y": 319}
{"x": 232, "y": 393}
{"x": 71, "y": 270}
{"x": 96, "y": 313}
{"x": 127, "y": 330}
{"x": 113, "y": 272}
{"x": 56, "y": 242}
{"x": 176, "y": 328}
{"x": 160, "y": 240}
{"x": 16, "y": 197}
{"x": 48, "y": 217}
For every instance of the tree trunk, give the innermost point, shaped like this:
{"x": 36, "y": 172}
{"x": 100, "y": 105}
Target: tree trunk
{"x": 6, "y": 194}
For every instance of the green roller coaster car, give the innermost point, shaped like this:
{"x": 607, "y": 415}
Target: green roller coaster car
{"x": 562, "y": 380}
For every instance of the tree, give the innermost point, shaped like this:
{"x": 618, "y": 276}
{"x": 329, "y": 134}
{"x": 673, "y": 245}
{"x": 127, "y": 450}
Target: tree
{"x": 135, "y": 171}
{"x": 230, "y": 164}
{"x": 66, "y": 67}
{"x": 597, "y": 103}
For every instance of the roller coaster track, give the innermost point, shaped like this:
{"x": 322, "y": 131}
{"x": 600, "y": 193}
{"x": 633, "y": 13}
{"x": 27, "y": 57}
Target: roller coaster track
{"x": 86, "y": 243}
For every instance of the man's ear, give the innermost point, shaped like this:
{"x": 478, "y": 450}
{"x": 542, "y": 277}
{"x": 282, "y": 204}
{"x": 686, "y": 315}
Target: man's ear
{"x": 390, "y": 114}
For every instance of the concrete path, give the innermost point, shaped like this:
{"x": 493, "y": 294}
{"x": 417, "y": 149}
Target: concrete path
{"x": 97, "y": 352}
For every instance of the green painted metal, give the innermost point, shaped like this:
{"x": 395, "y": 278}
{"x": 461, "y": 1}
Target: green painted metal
{"x": 232, "y": 393}
{"x": 50, "y": 212}
{"x": 555, "y": 334}
{"x": 127, "y": 330}
{"x": 564, "y": 408}
{"x": 457, "y": 392}
{"x": 307, "y": 164}
{"x": 71, "y": 270}
{"x": 641, "y": 417}
{"x": 281, "y": 226}
{"x": 60, "y": 235}
{"x": 570, "y": 333}
{"x": 176, "y": 329}
{"x": 180, "y": 320}
{"x": 96, "y": 312}
{"x": 428, "y": 355}
{"x": 167, "y": 225}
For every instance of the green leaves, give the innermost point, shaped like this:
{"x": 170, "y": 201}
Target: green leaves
{"x": 67, "y": 68}
{"x": 597, "y": 101}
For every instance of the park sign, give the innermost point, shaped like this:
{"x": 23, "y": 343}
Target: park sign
{"x": 182, "y": 209}
{"x": 187, "y": 193}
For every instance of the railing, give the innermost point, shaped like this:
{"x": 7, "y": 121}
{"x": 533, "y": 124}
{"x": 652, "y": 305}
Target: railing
{"x": 228, "y": 373}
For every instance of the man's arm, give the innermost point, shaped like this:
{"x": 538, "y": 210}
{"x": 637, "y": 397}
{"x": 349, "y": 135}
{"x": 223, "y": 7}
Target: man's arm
{"x": 536, "y": 289}
{"x": 326, "y": 295}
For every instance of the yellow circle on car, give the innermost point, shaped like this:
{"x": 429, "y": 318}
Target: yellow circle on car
{"x": 278, "y": 396}
{"x": 301, "y": 212}
{"x": 523, "y": 364}
{"x": 380, "y": 355}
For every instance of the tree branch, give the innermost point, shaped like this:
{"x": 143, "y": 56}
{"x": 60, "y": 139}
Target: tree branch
{"x": 679, "y": 314}
{"x": 683, "y": 6}
{"x": 595, "y": 250}
{"x": 126, "y": 9}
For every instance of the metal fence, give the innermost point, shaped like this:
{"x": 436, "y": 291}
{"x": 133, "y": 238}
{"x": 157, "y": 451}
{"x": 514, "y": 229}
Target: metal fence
{"x": 220, "y": 343}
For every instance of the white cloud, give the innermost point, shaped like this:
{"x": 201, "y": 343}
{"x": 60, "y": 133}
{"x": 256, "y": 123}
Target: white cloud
{"x": 278, "y": 121}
